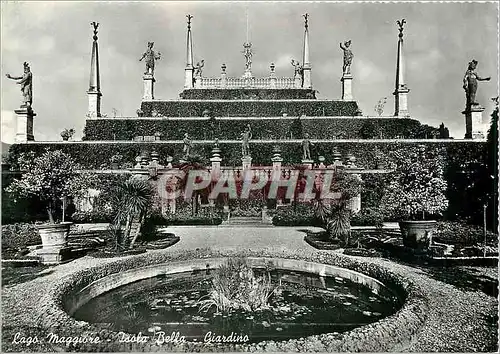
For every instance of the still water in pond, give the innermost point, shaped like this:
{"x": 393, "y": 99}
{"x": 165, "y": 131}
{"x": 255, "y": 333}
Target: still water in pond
{"x": 308, "y": 304}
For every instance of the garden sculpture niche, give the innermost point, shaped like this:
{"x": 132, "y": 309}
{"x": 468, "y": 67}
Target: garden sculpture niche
{"x": 150, "y": 57}
{"x": 26, "y": 85}
{"x": 346, "y": 47}
{"x": 306, "y": 147}
{"x": 470, "y": 84}
{"x": 246, "y": 136}
{"x": 186, "y": 150}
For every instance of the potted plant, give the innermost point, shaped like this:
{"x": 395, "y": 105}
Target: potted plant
{"x": 67, "y": 134}
{"x": 416, "y": 194}
{"x": 50, "y": 177}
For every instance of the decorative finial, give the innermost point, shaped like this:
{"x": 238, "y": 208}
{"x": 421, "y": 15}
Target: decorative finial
{"x": 272, "y": 66}
{"x": 306, "y": 18}
{"x": 95, "y": 25}
{"x": 189, "y": 17}
{"x": 401, "y": 24}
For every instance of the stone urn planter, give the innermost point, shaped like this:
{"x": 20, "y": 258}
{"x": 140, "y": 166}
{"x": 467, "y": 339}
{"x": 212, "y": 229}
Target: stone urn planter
{"x": 54, "y": 241}
{"x": 417, "y": 234}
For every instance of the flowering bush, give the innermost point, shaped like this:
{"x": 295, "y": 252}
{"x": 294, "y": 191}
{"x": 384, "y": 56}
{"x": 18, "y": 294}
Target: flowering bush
{"x": 50, "y": 177}
{"x": 417, "y": 190}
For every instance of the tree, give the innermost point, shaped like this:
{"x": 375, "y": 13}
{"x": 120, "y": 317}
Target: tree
{"x": 50, "y": 177}
{"x": 417, "y": 189}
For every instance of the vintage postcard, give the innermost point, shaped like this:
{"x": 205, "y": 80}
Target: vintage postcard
{"x": 249, "y": 176}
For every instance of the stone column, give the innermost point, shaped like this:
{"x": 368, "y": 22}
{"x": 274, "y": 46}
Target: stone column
{"x": 189, "y": 70}
{"x": 94, "y": 91}
{"x": 473, "y": 121}
{"x": 149, "y": 82}
{"x": 277, "y": 161}
{"x": 401, "y": 91}
{"x": 272, "y": 76}
{"x": 223, "y": 76}
{"x": 24, "y": 129}
{"x": 347, "y": 87}
{"x": 305, "y": 57}
{"x": 216, "y": 161}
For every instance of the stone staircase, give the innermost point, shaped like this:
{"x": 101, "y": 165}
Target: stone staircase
{"x": 245, "y": 221}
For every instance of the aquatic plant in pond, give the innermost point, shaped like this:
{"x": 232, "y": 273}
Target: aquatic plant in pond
{"x": 235, "y": 286}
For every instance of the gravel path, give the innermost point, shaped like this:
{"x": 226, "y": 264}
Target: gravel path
{"x": 458, "y": 320}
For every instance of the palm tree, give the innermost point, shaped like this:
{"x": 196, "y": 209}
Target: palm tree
{"x": 132, "y": 200}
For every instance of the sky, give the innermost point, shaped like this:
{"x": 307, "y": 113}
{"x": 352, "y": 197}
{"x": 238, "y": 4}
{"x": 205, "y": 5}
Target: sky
{"x": 56, "y": 39}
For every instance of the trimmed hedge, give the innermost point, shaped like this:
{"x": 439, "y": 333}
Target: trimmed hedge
{"x": 273, "y": 128}
{"x": 247, "y": 94}
{"x": 248, "y": 108}
{"x": 369, "y": 154}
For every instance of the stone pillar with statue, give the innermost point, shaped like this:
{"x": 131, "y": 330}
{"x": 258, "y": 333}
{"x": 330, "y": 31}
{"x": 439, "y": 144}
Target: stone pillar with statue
{"x": 149, "y": 56}
{"x": 346, "y": 71}
{"x": 25, "y": 113}
{"x": 473, "y": 110}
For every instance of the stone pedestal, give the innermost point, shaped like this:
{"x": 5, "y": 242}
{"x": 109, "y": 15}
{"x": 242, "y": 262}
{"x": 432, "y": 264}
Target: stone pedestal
{"x": 297, "y": 81}
{"x": 197, "y": 81}
{"x": 188, "y": 77}
{"x": 149, "y": 82}
{"x": 54, "y": 256}
{"x": 473, "y": 122}
{"x": 346, "y": 87}
{"x": 246, "y": 162}
{"x": 401, "y": 102}
{"x": 24, "y": 129}
{"x": 308, "y": 163}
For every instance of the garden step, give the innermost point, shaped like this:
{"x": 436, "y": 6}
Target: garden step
{"x": 254, "y": 221}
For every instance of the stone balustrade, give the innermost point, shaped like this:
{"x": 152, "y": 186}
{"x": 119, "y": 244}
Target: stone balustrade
{"x": 247, "y": 82}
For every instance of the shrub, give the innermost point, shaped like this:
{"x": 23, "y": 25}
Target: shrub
{"x": 462, "y": 234}
{"x": 368, "y": 217}
{"x": 20, "y": 235}
{"x": 92, "y": 216}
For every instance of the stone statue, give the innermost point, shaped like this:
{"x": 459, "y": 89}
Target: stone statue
{"x": 198, "y": 68}
{"x": 150, "y": 57}
{"x": 186, "y": 150}
{"x": 306, "y": 147}
{"x": 299, "y": 70}
{"x": 26, "y": 82}
{"x": 246, "y": 136}
{"x": 247, "y": 52}
{"x": 347, "y": 56}
{"x": 470, "y": 84}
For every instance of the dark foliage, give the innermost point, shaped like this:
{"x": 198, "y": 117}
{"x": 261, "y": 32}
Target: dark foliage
{"x": 248, "y": 108}
{"x": 231, "y": 128}
{"x": 247, "y": 94}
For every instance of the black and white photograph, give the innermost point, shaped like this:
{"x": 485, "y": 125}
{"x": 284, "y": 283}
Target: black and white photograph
{"x": 249, "y": 176}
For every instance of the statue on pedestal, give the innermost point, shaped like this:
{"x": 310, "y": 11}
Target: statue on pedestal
{"x": 150, "y": 57}
{"x": 246, "y": 136}
{"x": 186, "y": 150}
{"x": 247, "y": 52}
{"x": 346, "y": 70}
{"x": 299, "y": 70}
{"x": 26, "y": 82}
{"x": 306, "y": 147}
{"x": 470, "y": 84}
{"x": 198, "y": 68}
